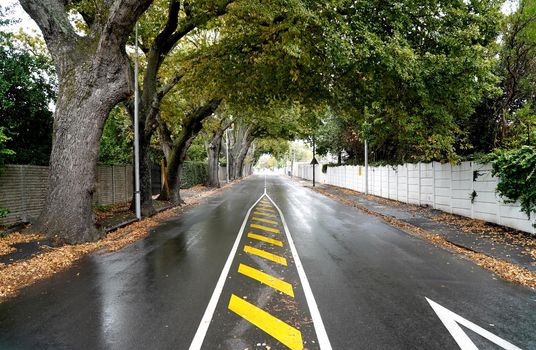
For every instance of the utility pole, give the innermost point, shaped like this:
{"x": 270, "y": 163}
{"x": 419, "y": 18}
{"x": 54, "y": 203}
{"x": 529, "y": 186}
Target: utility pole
{"x": 230, "y": 128}
{"x": 292, "y": 156}
{"x": 227, "y": 153}
{"x": 366, "y": 166}
{"x": 314, "y": 162}
{"x": 136, "y": 135}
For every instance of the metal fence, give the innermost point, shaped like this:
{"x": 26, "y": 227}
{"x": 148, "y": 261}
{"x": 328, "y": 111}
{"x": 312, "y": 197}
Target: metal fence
{"x": 467, "y": 189}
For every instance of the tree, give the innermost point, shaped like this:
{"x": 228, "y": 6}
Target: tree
{"x": 116, "y": 139}
{"x": 253, "y": 58}
{"x": 509, "y": 118}
{"x": 277, "y": 148}
{"x": 93, "y": 76}
{"x": 26, "y": 91}
{"x": 419, "y": 68}
{"x": 191, "y": 126}
{"x": 216, "y": 128}
{"x": 158, "y": 40}
{"x": 4, "y": 151}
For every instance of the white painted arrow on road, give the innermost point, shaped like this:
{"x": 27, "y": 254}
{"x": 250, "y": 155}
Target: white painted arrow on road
{"x": 453, "y": 321}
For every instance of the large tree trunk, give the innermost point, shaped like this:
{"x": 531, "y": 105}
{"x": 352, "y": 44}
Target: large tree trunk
{"x": 93, "y": 74}
{"x": 146, "y": 186}
{"x": 239, "y": 162}
{"x": 213, "y": 152}
{"x": 242, "y": 140}
{"x": 190, "y": 129}
{"x": 87, "y": 94}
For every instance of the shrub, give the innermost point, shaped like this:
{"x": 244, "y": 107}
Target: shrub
{"x": 193, "y": 173}
{"x": 516, "y": 170}
{"x": 3, "y": 212}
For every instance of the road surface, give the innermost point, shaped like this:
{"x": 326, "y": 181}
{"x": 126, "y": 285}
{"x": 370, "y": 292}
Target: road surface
{"x": 285, "y": 268}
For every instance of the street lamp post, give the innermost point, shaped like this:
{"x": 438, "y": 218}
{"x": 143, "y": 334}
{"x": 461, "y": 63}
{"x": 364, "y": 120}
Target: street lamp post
{"x": 228, "y": 169}
{"x": 136, "y": 135}
{"x": 292, "y": 155}
{"x": 228, "y": 172}
{"x": 366, "y": 166}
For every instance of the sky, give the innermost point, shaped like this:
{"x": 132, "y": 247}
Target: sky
{"x": 25, "y": 22}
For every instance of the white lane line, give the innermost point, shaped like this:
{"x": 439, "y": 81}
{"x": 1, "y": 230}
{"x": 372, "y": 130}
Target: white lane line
{"x": 201, "y": 332}
{"x": 323, "y": 340}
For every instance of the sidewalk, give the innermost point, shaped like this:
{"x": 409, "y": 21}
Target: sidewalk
{"x": 498, "y": 242}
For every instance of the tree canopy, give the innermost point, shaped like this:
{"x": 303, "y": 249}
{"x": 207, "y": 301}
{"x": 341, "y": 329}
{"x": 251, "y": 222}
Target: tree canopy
{"x": 27, "y": 90}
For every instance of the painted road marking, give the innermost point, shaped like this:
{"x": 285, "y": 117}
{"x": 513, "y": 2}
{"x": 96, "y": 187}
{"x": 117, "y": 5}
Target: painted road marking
{"x": 323, "y": 340}
{"x": 201, "y": 332}
{"x": 265, "y": 214}
{"x": 262, "y": 205}
{"x": 278, "y": 329}
{"x": 264, "y": 220}
{"x": 264, "y": 254}
{"x": 267, "y": 279}
{"x": 452, "y": 322}
{"x": 265, "y": 239}
{"x": 265, "y": 209}
{"x": 265, "y": 228}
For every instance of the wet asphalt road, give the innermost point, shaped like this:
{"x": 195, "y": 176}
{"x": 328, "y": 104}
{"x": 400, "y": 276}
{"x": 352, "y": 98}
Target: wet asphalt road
{"x": 370, "y": 282}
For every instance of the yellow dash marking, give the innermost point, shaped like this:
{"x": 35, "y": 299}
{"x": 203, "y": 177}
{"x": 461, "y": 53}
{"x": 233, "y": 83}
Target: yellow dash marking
{"x": 288, "y": 335}
{"x": 265, "y": 239}
{"x": 265, "y": 228}
{"x": 262, "y": 207}
{"x": 265, "y": 220}
{"x": 265, "y": 210}
{"x": 264, "y": 254}
{"x": 267, "y": 279}
{"x": 265, "y": 214}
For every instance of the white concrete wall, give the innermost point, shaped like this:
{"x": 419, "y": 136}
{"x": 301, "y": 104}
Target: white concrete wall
{"x": 441, "y": 186}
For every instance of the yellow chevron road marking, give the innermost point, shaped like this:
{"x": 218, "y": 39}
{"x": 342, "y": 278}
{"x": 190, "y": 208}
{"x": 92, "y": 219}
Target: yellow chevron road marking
{"x": 265, "y": 228}
{"x": 264, "y": 254}
{"x": 267, "y": 279}
{"x": 265, "y": 239}
{"x": 278, "y": 329}
{"x": 265, "y": 214}
{"x": 264, "y": 209}
{"x": 265, "y": 220}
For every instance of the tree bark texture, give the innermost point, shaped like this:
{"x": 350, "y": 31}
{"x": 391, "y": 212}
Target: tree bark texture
{"x": 191, "y": 127}
{"x": 93, "y": 74}
{"x": 242, "y": 141}
{"x": 213, "y": 151}
{"x": 152, "y": 94}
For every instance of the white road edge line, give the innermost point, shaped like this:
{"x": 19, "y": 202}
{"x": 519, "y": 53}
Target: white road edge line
{"x": 201, "y": 332}
{"x": 323, "y": 340}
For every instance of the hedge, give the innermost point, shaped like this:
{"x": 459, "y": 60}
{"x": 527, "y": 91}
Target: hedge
{"x": 193, "y": 173}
